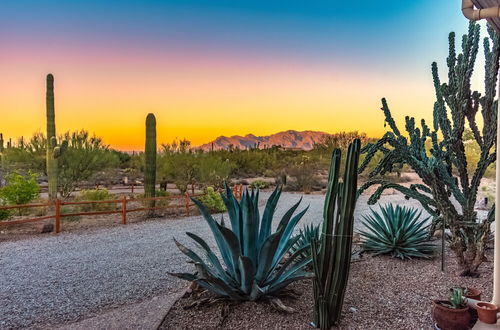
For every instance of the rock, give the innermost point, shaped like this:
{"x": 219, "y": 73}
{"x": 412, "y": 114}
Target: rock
{"x": 353, "y": 310}
{"x": 45, "y": 228}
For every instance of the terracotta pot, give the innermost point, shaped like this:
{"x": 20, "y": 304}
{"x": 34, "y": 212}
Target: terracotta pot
{"x": 449, "y": 318}
{"x": 473, "y": 294}
{"x": 487, "y": 312}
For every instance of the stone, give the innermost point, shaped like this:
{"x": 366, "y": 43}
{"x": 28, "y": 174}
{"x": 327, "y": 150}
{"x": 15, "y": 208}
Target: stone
{"x": 45, "y": 228}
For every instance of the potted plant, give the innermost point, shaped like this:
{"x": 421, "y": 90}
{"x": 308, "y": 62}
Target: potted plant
{"x": 452, "y": 314}
{"x": 487, "y": 312}
{"x": 472, "y": 293}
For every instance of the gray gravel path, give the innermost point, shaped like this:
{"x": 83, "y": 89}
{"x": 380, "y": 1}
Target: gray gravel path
{"x": 49, "y": 280}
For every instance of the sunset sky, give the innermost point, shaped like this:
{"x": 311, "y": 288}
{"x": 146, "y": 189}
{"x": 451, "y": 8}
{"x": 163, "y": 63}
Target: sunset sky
{"x": 219, "y": 67}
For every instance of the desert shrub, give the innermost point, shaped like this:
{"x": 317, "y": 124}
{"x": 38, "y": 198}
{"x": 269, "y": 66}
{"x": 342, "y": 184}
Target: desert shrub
{"x": 68, "y": 209}
{"x": 162, "y": 202}
{"x": 212, "y": 171}
{"x": 397, "y": 231}
{"x": 179, "y": 168}
{"x": 85, "y": 156}
{"x": 472, "y": 154}
{"x": 213, "y": 200}
{"x": 5, "y": 214}
{"x": 96, "y": 195}
{"x": 20, "y": 189}
{"x": 158, "y": 202}
{"x": 304, "y": 174}
{"x": 259, "y": 184}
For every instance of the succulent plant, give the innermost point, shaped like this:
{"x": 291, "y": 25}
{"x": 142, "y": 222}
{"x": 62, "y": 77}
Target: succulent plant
{"x": 307, "y": 234}
{"x": 457, "y": 299}
{"x": 54, "y": 151}
{"x": 253, "y": 264}
{"x": 332, "y": 262}
{"x": 449, "y": 189}
{"x": 398, "y": 231}
{"x": 150, "y": 157}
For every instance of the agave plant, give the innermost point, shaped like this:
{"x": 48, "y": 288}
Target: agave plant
{"x": 307, "y": 235}
{"x": 398, "y": 231}
{"x": 253, "y": 264}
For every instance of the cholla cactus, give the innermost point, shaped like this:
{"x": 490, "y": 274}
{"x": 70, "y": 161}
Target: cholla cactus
{"x": 443, "y": 167}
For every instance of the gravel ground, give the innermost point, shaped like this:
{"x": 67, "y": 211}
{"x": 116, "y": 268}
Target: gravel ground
{"x": 382, "y": 293}
{"x": 49, "y": 280}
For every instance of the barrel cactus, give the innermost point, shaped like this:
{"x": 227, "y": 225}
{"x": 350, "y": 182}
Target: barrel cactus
{"x": 332, "y": 262}
{"x": 253, "y": 258}
{"x": 150, "y": 158}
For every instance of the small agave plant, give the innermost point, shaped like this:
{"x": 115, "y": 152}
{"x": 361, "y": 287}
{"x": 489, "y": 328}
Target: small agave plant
{"x": 307, "y": 235}
{"x": 253, "y": 261}
{"x": 398, "y": 231}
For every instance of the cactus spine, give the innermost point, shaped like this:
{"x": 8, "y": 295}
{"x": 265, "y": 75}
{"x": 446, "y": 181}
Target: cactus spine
{"x": 54, "y": 151}
{"x": 150, "y": 158}
{"x": 332, "y": 262}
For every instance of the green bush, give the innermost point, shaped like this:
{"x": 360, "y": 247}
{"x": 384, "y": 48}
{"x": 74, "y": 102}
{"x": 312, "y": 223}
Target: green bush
{"x": 20, "y": 189}
{"x": 259, "y": 184}
{"x": 397, "y": 231}
{"x": 304, "y": 174}
{"x": 96, "y": 195}
{"x": 68, "y": 209}
{"x": 4, "y": 214}
{"x": 159, "y": 202}
{"x": 213, "y": 200}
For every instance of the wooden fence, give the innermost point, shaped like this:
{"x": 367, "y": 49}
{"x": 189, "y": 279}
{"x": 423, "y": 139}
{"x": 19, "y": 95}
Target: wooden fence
{"x": 122, "y": 210}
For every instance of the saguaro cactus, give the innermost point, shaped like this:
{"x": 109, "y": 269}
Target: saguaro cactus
{"x": 54, "y": 151}
{"x": 150, "y": 158}
{"x": 332, "y": 262}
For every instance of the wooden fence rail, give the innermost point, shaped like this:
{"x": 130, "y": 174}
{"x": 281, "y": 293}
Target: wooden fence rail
{"x": 123, "y": 210}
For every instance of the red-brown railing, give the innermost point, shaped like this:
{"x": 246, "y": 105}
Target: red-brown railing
{"x": 123, "y": 210}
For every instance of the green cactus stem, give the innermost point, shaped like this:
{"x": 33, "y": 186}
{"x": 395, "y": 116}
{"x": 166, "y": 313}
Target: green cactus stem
{"x": 54, "y": 151}
{"x": 150, "y": 158}
{"x": 437, "y": 152}
{"x": 332, "y": 262}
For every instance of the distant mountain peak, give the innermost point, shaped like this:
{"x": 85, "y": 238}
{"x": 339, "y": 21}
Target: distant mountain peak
{"x": 289, "y": 139}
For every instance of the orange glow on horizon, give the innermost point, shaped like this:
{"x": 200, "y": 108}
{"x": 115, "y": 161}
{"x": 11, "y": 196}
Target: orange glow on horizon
{"x": 202, "y": 98}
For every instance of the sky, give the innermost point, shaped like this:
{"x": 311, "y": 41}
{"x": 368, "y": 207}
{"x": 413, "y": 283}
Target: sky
{"x": 219, "y": 67}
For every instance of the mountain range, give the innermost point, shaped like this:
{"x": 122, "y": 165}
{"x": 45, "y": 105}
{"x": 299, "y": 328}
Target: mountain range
{"x": 290, "y": 139}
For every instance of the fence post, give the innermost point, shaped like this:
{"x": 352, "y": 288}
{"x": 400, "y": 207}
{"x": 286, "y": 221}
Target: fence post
{"x": 124, "y": 210}
{"x": 187, "y": 204}
{"x": 57, "y": 203}
{"x": 132, "y": 188}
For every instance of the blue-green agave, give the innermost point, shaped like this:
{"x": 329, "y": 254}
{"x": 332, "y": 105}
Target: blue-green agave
{"x": 307, "y": 235}
{"x": 253, "y": 259}
{"x": 398, "y": 231}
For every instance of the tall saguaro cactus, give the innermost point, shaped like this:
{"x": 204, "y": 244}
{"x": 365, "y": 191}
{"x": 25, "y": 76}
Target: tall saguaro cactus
{"x": 332, "y": 262}
{"x": 54, "y": 151}
{"x": 437, "y": 154}
{"x": 1, "y": 159}
{"x": 150, "y": 158}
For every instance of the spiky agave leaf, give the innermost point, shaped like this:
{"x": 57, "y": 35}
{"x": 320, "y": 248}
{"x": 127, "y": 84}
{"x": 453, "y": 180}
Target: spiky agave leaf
{"x": 397, "y": 231}
{"x": 251, "y": 254}
{"x": 306, "y": 235}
